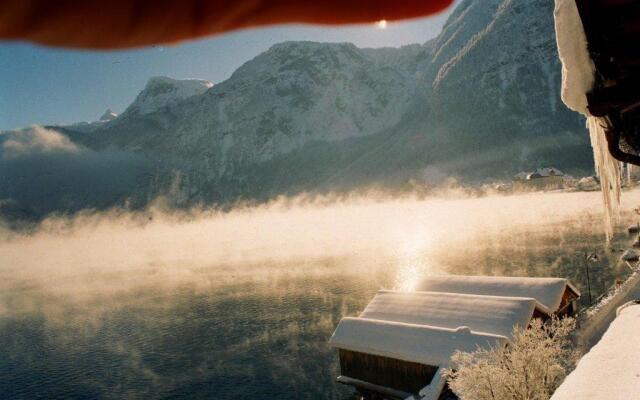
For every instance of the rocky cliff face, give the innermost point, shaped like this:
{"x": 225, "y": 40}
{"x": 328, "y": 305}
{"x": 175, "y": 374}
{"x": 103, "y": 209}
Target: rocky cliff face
{"x": 480, "y": 100}
{"x": 496, "y": 92}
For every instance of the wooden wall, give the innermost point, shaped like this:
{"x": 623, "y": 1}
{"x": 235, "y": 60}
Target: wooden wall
{"x": 384, "y": 371}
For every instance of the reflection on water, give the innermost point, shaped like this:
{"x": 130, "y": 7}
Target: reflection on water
{"x": 108, "y": 327}
{"x": 255, "y": 339}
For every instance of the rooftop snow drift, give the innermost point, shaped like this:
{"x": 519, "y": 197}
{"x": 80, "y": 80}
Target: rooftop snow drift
{"x": 482, "y": 314}
{"x": 408, "y": 342}
{"x": 547, "y": 291}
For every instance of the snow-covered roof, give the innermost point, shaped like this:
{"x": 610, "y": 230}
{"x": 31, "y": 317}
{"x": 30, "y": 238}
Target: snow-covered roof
{"x": 521, "y": 175}
{"x": 578, "y": 71}
{"x": 547, "y": 291}
{"x": 540, "y": 173}
{"x": 549, "y": 171}
{"x": 482, "y": 314}
{"x": 589, "y": 180}
{"x": 610, "y": 370}
{"x": 533, "y": 175}
{"x": 409, "y": 342}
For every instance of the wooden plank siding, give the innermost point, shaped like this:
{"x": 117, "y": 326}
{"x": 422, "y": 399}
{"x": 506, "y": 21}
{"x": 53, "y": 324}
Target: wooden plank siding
{"x": 567, "y": 307}
{"x": 400, "y": 375}
{"x": 537, "y": 313}
{"x": 568, "y": 304}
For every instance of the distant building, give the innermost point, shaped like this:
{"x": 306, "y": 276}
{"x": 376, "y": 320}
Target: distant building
{"x": 589, "y": 183}
{"x": 549, "y": 171}
{"x": 548, "y": 178}
{"x": 521, "y": 176}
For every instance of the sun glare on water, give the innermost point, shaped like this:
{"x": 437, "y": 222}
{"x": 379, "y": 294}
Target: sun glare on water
{"x": 412, "y": 256}
{"x": 382, "y": 24}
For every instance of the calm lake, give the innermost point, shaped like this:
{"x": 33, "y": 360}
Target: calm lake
{"x": 241, "y": 305}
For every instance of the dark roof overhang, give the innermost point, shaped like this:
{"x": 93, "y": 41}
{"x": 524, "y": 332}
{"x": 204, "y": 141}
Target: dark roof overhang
{"x": 612, "y": 28}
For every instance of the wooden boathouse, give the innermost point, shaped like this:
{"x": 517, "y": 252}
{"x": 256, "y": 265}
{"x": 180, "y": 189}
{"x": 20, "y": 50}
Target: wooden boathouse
{"x": 398, "y": 347}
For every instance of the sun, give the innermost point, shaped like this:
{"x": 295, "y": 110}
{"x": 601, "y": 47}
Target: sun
{"x": 382, "y": 24}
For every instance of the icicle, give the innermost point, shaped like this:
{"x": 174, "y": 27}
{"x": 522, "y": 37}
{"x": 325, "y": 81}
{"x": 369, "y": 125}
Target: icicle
{"x": 608, "y": 170}
{"x": 578, "y": 78}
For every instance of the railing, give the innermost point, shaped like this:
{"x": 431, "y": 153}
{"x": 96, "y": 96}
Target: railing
{"x": 594, "y": 319}
{"x": 608, "y": 293}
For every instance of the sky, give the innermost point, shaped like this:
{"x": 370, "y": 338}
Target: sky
{"x": 40, "y": 85}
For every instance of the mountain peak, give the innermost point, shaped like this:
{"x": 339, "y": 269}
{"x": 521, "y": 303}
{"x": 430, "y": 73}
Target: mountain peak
{"x": 165, "y": 81}
{"x": 307, "y": 44}
{"x": 162, "y": 91}
{"x": 108, "y": 115}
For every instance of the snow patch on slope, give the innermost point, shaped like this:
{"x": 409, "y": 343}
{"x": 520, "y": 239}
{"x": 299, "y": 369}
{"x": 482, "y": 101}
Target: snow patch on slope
{"x": 108, "y": 115}
{"x": 475, "y": 39}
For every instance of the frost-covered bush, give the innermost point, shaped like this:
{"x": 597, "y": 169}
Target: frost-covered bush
{"x": 530, "y": 368}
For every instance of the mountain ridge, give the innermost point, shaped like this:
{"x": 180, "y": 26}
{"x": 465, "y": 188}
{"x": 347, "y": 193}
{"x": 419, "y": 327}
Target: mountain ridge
{"x": 480, "y": 101}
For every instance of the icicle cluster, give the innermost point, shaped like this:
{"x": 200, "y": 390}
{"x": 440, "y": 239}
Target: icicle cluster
{"x": 608, "y": 170}
{"x": 578, "y": 76}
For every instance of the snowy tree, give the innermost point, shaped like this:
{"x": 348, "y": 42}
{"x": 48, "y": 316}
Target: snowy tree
{"x": 531, "y": 367}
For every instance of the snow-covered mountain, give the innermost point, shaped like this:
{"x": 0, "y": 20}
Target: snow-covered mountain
{"x": 293, "y": 93}
{"x": 162, "y": 92}
{"x": 496, "y": 89}
{"x": 108, "y": 115}
{"x": 480, "y": 100}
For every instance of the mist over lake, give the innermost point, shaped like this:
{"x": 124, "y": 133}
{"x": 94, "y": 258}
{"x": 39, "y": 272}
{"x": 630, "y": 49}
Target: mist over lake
{"x": 239, "y": 304}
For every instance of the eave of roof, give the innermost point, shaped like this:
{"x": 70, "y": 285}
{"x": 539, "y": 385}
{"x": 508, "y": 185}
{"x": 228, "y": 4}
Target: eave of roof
{"x": 428, "y": 345}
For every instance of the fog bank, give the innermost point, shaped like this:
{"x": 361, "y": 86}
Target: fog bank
{"x": 172, "y": 247}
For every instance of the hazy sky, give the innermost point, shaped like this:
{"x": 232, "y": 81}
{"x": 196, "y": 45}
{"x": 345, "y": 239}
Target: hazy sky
{"x": 46, "y": 86}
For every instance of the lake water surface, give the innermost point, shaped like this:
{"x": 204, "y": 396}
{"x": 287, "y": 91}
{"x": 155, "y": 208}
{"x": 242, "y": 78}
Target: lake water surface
{"x": 241, "y": 305}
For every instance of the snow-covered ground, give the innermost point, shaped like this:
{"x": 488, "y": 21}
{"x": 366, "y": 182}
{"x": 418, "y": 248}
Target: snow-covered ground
{"x": 611, "y": 370}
